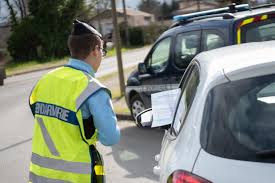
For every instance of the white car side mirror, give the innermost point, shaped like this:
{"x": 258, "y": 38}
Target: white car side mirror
{"x": 145, "y": 118}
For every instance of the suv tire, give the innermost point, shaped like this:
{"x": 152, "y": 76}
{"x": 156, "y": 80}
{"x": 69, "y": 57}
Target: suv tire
{"x": 136, "y": 106}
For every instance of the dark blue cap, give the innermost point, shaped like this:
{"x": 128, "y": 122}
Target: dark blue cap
{"x": 81, "y": 28}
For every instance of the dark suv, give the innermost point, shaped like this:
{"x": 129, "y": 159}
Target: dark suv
{"x": 191, "y": 34}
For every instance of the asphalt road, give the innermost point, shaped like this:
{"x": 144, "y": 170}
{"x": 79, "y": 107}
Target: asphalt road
{"x": 132, "y": 160}
{"x": 129, "y": 161}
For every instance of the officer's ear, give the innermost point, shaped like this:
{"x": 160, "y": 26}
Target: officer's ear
{"x": 96, "y": 52}
{"x": 93, "y": 52}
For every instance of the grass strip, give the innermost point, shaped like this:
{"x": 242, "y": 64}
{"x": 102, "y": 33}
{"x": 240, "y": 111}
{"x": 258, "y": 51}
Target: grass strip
{"x": 17, "y": 68}
{"x": 13, "y": 68}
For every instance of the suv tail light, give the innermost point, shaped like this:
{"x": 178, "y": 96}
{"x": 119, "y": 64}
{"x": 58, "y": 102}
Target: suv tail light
{"x": 181, "y": 176}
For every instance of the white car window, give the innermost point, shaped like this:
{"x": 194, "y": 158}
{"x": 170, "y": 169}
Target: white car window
{"x": 238, "y": 121}
{"x": 267, "y": 94}
{"x": 189, "y": 87}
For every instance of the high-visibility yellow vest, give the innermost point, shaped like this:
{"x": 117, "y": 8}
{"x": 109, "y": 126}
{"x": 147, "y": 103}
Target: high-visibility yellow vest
{"x": 60, "y": 150}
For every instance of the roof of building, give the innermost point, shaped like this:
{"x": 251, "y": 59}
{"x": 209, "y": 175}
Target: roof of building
{"x": 133, "y": 12}
{"x": 193, "y": 7}
{"x": 130, "y": 12}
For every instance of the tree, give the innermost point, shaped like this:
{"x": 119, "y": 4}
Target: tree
{"x": 150, "y": 6}
{"x": 20, "y": 5}
{"x": 165, "y": 10}
{"x": 43, "y": 34}
{"x": 12, "y": 12}
{"x": 103, "y": 4}
{"x": 17, "y": 9}
{"x": 174, "y": 5}
{"x": 53, "y": 21}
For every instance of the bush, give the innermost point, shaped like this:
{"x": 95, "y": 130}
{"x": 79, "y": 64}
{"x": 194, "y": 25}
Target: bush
{"x": 136, "y": 36}
{"x": 142, "y": 35}
{"x": 23, "y": 42}
{"x": 152, "y": 32}
{"x": 43, "y": 34}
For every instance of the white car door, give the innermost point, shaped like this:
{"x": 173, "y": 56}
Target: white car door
{"x": 167, "y": 158}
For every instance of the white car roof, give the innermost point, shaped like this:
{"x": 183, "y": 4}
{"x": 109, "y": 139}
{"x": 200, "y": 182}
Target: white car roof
{"x": 239, "y": 61}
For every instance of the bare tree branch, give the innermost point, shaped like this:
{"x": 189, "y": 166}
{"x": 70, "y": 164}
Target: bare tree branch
{"x": 12, "y": 12}
{"x": 24, "y": 7}
{"x": 19, "y": 7}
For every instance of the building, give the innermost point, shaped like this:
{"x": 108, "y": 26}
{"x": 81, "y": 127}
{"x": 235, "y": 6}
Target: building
{"x": 104, "y": 22}
{"x": 189, "y": 6}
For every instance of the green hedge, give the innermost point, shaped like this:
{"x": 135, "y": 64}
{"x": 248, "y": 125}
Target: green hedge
{"x": 43, "y": 34}
{"x": 152, "y": 32}
{"x": 142, "y": 35}
{"x": 23, "y": 41}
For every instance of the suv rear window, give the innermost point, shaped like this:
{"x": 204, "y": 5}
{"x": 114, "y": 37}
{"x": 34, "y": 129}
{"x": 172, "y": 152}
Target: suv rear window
{"x": 259, "y": 31}
{"x": 239, "y": 120}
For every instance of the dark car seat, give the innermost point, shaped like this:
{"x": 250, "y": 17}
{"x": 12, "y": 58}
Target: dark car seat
{"x": 240, "y": 121}
{"x": 253, "y": 35}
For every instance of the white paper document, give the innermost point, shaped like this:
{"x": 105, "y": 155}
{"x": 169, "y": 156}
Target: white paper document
{"x": 163, "y": 106}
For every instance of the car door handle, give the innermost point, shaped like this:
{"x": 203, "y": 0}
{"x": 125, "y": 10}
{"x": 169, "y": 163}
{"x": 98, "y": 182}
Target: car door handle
{"x": 170, "y": 137}
{"x": 157, "y": 157}
{"x": 144, "y": 76}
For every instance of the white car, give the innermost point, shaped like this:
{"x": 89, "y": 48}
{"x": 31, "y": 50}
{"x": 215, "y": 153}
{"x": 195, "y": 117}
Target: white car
{"x": 223, "y": 130}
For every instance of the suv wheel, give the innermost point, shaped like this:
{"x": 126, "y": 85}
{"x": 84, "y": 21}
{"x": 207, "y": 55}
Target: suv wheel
{"x": 136, "y": 106}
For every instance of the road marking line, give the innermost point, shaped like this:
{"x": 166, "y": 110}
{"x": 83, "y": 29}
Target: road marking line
{"x": 16, "y": 144}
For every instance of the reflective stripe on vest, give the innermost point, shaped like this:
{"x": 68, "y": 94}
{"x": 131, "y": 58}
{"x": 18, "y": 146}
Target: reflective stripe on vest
{"x": 47, "y": 137}
{"x": 39, "y": 179}
{"x": 62, "y": 165}
{"x": 92, "y": 87}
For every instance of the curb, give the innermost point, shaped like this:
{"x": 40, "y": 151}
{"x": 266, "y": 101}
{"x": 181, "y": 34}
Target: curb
{"x": 35, "y": 70}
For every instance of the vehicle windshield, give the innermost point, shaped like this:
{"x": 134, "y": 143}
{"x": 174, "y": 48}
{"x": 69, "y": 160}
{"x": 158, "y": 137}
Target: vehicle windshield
{"x": 239, "y": 119}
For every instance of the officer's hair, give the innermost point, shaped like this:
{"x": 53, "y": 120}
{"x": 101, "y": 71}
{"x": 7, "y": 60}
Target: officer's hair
{"x": 81, "y": 45}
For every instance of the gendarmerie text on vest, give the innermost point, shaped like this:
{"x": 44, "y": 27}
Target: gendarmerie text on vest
{"x": 51, "y": 110}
